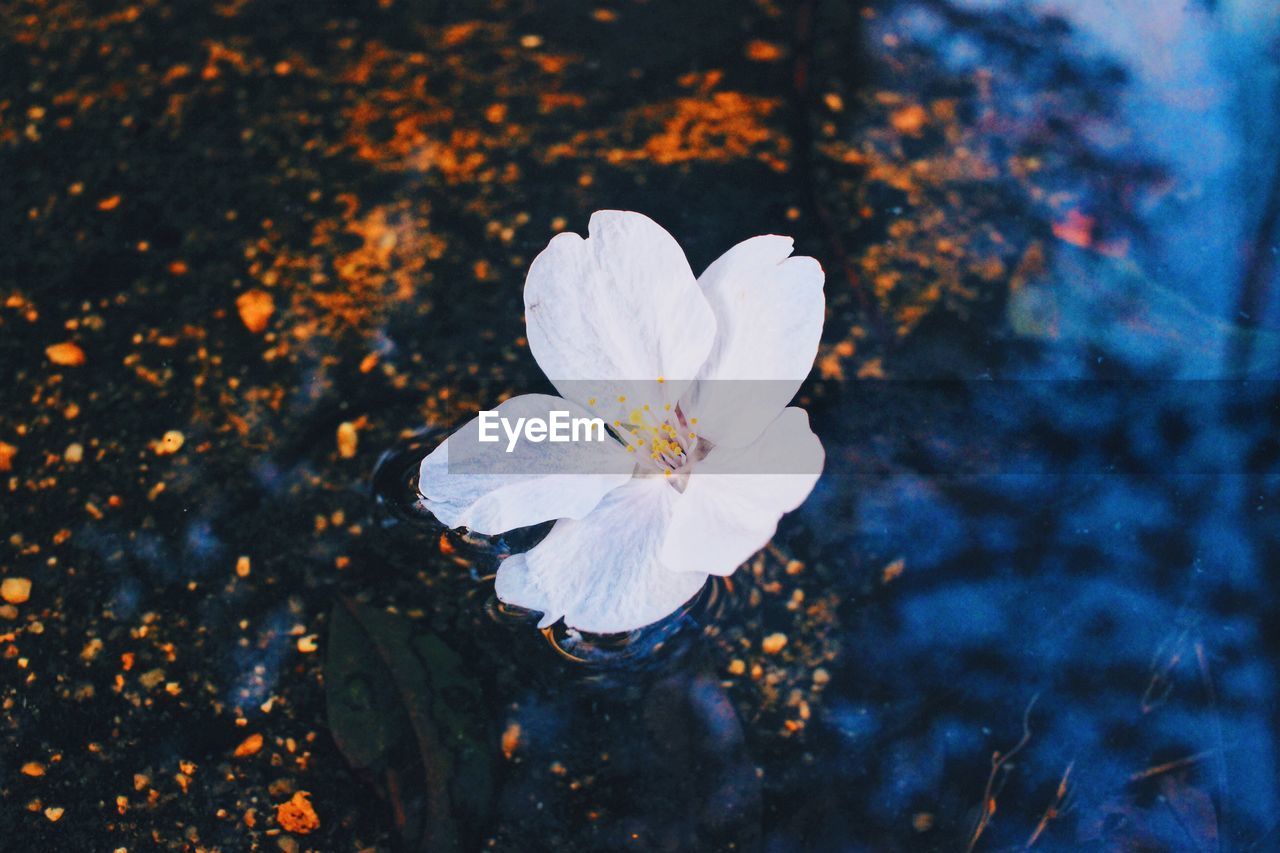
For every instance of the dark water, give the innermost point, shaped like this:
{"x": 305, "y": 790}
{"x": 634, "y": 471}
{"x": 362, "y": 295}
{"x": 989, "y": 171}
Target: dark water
{"x": 1032, "y": 602}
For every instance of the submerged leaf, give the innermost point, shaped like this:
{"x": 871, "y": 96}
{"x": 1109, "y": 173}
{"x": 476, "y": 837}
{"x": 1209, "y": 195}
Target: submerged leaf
{"x": 405, "y": 714}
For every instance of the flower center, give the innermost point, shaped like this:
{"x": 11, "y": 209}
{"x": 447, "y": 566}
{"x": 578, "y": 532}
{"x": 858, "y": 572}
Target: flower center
{"x": 664, "y": 439}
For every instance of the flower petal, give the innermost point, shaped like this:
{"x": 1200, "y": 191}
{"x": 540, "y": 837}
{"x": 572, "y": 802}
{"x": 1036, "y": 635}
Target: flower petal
{"x": 619, "y": 308}
{"x": 602, "y": 573}
{"x": 734, "y": 498}
{"x": 769, "y": 311}
{"x": 468, "y": 483}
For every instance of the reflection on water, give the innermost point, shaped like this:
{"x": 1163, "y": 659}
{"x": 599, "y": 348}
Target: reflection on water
{"x": 1100, "y": 547}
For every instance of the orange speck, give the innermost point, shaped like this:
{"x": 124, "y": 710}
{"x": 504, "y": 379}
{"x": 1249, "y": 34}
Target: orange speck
{"x": 251, "y": 745}
{"x": 369, "y": 362}
{"x": 297, "y": 815}
{"x": 511, "y": 739}
{"x": 171, "y": 442}
{"x": 446, "y": 547}
{"x": 256, "y": 308}
{"x": 7, "y": 452}
{"x": 110, "y": 203}
{"x": 242, "y": 567}
{"x": 773, "y": 643}
{"x": 178, "y": 268}
{"x": 33, "y": 768}
{"x": 348, "y": 439}
{"x": 909, "y": 120}
{"x": 871, "y": 369}
{"x": 1076, "y": 229}
{"x": 54, "y": 813}
{"x": 893, "y": 571}
{"x": 65, "y": 354}
{"x": 759, "y": 50}
{"x": 15, "y": 590}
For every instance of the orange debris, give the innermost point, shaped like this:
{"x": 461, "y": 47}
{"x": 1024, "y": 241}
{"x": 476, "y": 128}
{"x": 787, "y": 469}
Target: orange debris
{"x": 759, "y": 50}
{"x": 297, "y": 815}
{"x": 909, "y": 120}
{"x": 348, "y": 439}
{"x": 250, "y": 746}
{"x": 65, "y": 354}
{"x": 15, "y": 590}
{"x": 256, "y": 308}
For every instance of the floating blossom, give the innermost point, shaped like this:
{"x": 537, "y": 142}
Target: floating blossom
{"x": 694, "y": 376}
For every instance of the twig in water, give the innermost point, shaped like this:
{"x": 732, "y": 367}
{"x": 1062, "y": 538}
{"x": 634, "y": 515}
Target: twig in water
{"x": 1056, "y": 808}
{"x": 1176, "y": 764}
{"x": 997, "y": 762}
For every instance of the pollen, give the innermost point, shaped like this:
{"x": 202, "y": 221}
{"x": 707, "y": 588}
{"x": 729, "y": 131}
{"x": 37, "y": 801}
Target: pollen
{"x": 591, "y": 401}
{"x": 693, "y": 435}
{"x": 631, "y": 448}
{"x": 693, "y": 420}
{"x": 667, "y": 407}
{"x": 666, "y": 473}
{"x": 622, "y": 399}
{"x": 661, "y": 380}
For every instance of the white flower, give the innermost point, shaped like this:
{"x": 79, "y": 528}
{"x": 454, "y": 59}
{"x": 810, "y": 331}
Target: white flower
{"x": 696, "y": 375}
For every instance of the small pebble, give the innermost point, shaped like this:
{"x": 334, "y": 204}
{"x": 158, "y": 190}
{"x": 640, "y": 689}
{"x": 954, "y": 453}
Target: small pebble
{"x": 15, "y": 590}
{"x": 170, "y": 442}
{"x": 298, "y": 815}
{"x": 65, "y": 354}
{"x": 249, "y": 746}
{"x": 74, "y": 453}
{"x": 255, "y": 308}
{"x": 773, "y": 643}
{"x": 348, "y": 439}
